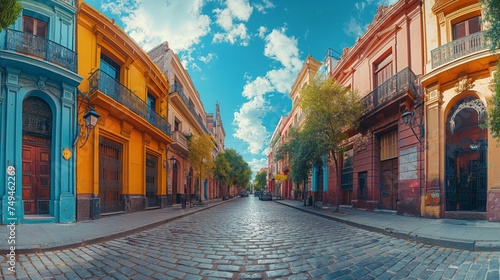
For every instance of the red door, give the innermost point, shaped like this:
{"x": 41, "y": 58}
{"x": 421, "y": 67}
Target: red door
{"x": 36, "y": 179}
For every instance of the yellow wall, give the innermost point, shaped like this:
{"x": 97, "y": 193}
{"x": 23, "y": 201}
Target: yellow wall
{"x": 117, "y": 122}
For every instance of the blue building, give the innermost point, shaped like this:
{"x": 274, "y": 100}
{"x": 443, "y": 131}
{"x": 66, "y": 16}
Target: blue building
{"x": 38, "y": 113}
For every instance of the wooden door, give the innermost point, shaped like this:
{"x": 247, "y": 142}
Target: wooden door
{"x": 389, "y": 184}
{"x": 36, "y": 179}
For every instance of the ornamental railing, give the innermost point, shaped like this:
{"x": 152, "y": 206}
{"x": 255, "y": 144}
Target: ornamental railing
{"x": 459, "y": 48}
{"x": 27, "y": 43}
{"x": 399, "y": 84}
{"x": 178, "y": 89}
{"x": 99, "y": 80}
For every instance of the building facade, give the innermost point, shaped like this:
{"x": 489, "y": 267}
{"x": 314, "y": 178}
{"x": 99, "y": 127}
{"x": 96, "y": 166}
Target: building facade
{"x": 216, "y": 129}
{"x": 122, "y": 163}
{"x": 38, "y": 101}
{"x": 460, "y": 155}
{"x": 383, "y": 163}
{"x": 187, "y": 116}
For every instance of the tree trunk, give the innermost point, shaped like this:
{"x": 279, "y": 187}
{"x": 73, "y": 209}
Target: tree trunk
{"x": 336, "y": 181}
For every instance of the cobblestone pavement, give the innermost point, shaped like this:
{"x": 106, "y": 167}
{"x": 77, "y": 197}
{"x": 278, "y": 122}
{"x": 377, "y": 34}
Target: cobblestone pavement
{"x": 251, "y": 239}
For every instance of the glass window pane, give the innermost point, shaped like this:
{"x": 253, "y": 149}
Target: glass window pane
{"x": 28, "y": 24}
{"x": 41, "y": 28}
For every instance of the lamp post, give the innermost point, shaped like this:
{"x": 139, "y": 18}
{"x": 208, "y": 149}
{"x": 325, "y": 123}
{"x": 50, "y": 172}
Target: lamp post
{"x": 410, "y": 119}
{"x": 90, "y": 119}
{"x": 172, "y": 160}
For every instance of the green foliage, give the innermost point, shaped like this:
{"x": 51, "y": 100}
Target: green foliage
{"x": 222, "y": 169}
{"x": 493, "y": 121}
{"x": 240, "y": 173}
{"x": 331, "y": 111}
{"x": 9, "y": 12}
{"x": 260, "y": 180}
{"x": 491, "y": 14}
{"x": 200, "y": 155}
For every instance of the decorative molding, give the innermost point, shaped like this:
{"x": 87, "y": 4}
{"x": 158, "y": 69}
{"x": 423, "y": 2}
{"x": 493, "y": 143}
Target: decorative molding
{"x": 146, "y": 139}
{"x": 475, "y": 104}
{"x": 463, "y": 83}
{"x": 126, "y": 129}
{"x": 361, "y": 142}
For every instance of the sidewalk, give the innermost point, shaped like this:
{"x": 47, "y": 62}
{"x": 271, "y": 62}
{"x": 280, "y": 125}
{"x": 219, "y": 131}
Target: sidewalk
{"x": 31, "y": 238}
{"x": 460, "y": 234}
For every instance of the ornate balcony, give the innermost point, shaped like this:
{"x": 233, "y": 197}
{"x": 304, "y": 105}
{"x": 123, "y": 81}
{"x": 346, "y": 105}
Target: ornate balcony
{"x": 106, "y": 84}
{"x": 459, "y": 48}
{"x": 177, "y": 89}
{"x": 402, "y": 83}
{"x": 180, "y": 140}
{"x": 27, "y": 43}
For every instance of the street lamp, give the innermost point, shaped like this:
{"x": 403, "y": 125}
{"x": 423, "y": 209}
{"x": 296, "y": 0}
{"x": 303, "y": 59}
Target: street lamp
{"x": 410, "y": 119}
{"x": 90, "y": 119}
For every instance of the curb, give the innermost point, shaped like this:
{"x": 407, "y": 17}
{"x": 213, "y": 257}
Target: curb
{"x": 112, "y": 236}
{"x": 471, "y": 245}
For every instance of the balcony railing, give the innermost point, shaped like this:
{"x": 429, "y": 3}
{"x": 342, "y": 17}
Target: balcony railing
{"x": 404, "y": 81}
{"x": 41, "y": 47}
{"x": 103, "y": 82}
{"x": 459, "y": 48}
{"x": 178, "y": 89}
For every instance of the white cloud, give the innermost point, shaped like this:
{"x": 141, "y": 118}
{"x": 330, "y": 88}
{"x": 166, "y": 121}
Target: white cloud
{"x": 354, "y": 28}
{"x": 262, "y": 32}
{"x": 249, "y": 119}
{"x": 209, "y": 57}
{"x": 257, "y": 164}
{"x": 282, "y": 48}
{"x": 151, "y": 22}
{"x": 236, "y": 10}
{"x": 266, "y": 4}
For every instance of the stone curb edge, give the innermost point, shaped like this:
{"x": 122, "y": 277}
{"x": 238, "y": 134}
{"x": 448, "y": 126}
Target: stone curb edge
{"x": 486, "y": 246}
{"x": 41, "y": 249}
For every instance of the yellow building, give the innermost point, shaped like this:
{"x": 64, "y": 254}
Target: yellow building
{"x": 121, "y": 167}
{"x": 460, "y": 157}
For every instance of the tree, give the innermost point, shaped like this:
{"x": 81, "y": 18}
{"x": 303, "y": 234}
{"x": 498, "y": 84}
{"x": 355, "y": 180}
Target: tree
{"x": 222, "y": 169}
{"x": 331, "y": 111}
{"x": 200, "y": 156}
{"x": 491, "y": 14}
{"x": 260, "y": 180}
{"x": 9, "y": 12}
{"x": 304, "y": 150}
{"x": 240, "y": 173}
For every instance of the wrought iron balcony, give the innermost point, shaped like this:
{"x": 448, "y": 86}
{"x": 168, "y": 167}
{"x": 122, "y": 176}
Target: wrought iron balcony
{"x": 459, "y": 48}
{"x": 178, "y": 89}
{"x": 106, "y": 84}
{"x": 403, "y": 82}
{"x": 27, "y": 43}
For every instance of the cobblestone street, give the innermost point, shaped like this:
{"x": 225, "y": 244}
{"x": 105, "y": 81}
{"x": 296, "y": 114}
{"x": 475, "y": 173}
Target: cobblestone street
{"x": 252, "y": 239}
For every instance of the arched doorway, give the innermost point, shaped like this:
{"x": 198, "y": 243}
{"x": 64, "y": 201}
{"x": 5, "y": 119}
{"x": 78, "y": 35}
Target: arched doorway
{"x": 36, "y": 152}
{"x": 466, "y": 150}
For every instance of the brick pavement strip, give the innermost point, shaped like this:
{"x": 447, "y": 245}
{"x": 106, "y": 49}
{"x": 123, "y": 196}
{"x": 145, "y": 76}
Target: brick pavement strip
{"x": 248, "y": 239}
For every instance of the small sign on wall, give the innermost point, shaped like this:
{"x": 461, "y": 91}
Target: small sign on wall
{"x": 408, "y": 163}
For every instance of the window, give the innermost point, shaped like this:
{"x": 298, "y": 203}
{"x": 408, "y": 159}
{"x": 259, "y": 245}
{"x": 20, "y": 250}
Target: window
{"x": 34, "y": 26}
{"x": 362, "y": 183}
{"x": 389, "y": 146}
{"x": 151, "y": 101}
{"x": 466, "y": 27}
{"x": 347, "y": 170}
{"x": 110, "y": 67}
{"x": 176, "y": 125}
{"x": 383, "y": 70}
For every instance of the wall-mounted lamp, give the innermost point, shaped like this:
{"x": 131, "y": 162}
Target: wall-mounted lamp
{"x": 410, "y": 119}
{"x": 90, "y": 119}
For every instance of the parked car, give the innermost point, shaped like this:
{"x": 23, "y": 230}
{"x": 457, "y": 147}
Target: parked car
{"x": 265, "y": 195}
{"x": 243, "y": 194}
{"x": 256, "y": 193}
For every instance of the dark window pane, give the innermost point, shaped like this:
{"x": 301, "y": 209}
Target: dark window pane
{"x": 28, "y": 24}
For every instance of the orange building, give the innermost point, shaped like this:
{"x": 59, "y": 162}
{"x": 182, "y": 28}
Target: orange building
{"x": 122, "y": 166}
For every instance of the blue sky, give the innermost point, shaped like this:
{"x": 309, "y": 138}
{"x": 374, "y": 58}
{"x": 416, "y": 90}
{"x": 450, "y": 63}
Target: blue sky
{"x": 244, "y": 54}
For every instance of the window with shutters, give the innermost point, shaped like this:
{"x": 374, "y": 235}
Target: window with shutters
{"x": 466, "y": 27}
{"x": 383, "y": 70}
{"x": 389, "y": 146}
